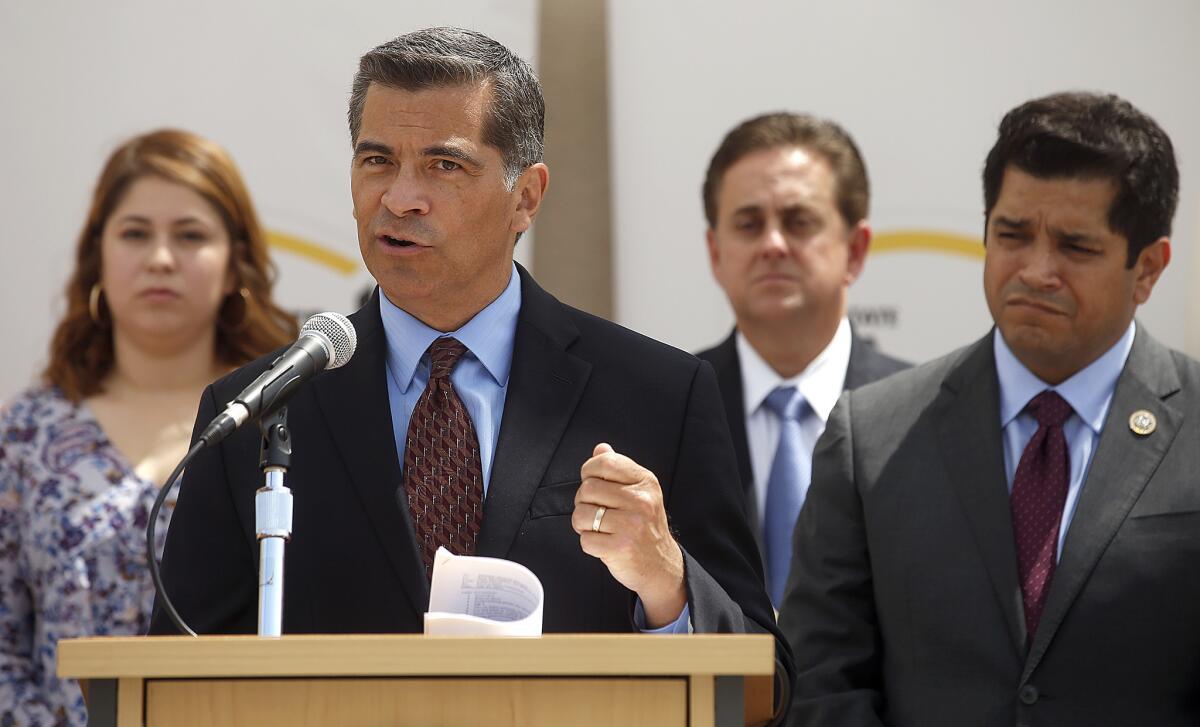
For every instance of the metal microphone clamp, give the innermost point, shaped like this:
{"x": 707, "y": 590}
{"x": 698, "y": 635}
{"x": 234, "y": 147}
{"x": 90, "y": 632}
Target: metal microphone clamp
{"x": 273, "y": 520}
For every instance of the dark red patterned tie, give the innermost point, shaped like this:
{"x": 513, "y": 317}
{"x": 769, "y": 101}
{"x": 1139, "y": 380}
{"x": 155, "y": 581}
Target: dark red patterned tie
{"x": 443, "y": 477}
{"x": 1038, "y": 495}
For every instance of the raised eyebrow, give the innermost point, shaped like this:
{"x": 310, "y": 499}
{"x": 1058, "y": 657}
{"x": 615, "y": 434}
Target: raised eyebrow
{"x": 372, "y": 147}
{"x": 137, "y": 219}
{"x": 189, "y": 220}
{"x": 750, "y": 209}
{"x": 793, "y": 209}
{"x": 1009, "y": 222}
{"x": 453, "y": 152}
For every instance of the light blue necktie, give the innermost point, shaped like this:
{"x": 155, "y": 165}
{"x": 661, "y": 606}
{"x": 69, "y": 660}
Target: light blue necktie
{"x": 786, "y": 486}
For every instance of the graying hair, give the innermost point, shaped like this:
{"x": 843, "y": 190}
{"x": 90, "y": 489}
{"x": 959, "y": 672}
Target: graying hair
{"x": 441, "y": 57}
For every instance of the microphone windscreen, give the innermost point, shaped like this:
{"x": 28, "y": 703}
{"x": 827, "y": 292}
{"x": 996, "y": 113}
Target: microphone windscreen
{"x": 337, "y": 332}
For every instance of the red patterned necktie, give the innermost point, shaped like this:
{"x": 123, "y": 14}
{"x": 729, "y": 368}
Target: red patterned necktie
{"x": 1038, "y": 494}
{"x": 443, "y": 477}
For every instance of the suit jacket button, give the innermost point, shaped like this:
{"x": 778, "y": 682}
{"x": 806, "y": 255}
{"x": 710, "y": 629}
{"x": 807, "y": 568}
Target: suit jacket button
{"x": 1029, "y": 694}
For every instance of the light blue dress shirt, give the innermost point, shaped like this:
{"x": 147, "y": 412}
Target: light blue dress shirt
{"x": 480, "y": 378}
{"x": 1089, "y": 392}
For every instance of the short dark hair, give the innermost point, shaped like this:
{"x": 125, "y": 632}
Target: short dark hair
{"x": 1093, "y": 136}
{"x": 441, "y": 57}
{"x": 782, "y": 129}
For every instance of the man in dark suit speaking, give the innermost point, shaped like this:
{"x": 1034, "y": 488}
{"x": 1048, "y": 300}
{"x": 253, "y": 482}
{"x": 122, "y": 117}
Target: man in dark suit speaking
{"x": 598, "y": 458}
{"x": 786, "y": 198}
{"x": 1009, "y": 534}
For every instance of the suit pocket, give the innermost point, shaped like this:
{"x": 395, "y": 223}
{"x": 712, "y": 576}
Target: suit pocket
{"x": 552, "y": 500}
{"x": 1170, "y": 525}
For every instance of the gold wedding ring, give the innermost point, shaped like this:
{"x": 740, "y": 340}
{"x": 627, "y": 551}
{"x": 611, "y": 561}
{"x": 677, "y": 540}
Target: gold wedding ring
{"x": 599, "y": 516}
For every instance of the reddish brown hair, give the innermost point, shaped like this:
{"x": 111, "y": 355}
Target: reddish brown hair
{"x": 81, "y": 352}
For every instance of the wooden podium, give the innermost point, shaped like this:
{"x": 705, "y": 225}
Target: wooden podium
{"x": 577, "y": 680}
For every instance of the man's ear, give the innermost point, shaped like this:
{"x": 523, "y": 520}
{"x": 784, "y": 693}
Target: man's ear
{"x": 1150, "y": 263}
{"x": 859, "y": 242}
{"x": 714, "y": 255}
{"x": 530, "y": 190}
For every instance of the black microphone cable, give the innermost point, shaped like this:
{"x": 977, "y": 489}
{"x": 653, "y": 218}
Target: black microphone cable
{"x": 151, "y": 554}
{"x": 327, "y": 341}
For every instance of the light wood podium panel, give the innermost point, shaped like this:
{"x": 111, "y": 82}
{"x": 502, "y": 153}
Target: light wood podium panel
{"x": 584, "y": 679}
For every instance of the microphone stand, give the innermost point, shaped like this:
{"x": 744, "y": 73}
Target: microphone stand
{"x": 272, "y": 520}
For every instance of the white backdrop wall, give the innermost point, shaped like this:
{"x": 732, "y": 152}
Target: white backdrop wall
{"x": 268, "y": 80}
{"x": 921, "y": 85}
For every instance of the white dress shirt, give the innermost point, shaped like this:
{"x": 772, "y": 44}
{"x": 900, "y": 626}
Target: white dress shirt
{"x": 821, "y": 384}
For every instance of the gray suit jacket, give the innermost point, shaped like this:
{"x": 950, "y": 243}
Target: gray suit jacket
{"x": 904, "y": 605}
{"x": 867, "y": 364}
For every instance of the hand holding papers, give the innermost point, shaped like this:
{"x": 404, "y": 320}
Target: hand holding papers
{"x": 474, "y": 596}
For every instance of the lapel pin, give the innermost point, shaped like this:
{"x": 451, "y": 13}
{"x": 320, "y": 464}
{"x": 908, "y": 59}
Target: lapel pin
{"x": 1142, "y": 422}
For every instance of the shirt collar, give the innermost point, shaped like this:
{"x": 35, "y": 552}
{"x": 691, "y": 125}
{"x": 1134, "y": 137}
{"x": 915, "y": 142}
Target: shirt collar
{"x": 1089, "y": 391}
{"x": 820, "y": 383}
{"x": 489, "y": 336}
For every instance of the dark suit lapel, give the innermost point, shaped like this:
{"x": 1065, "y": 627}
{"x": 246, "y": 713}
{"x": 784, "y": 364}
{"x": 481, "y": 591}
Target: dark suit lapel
{"x": 354, "y": 400}
{"x": 1120, "y": 468}
{"x": 728, "y": 366}
{"x": 969, "y": 432}
{"x": 867, "y": 363}
{"x": 544, "y": 387}
{"x": 858, "y": 369}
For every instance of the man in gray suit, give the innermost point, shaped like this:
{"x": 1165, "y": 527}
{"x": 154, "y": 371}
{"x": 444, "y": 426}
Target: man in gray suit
{"x": 1011, "y": 534}
{"x": 786, "y": 198}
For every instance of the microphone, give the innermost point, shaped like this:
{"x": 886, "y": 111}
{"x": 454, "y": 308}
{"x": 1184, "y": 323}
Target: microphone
{"x": 327, "y": 341}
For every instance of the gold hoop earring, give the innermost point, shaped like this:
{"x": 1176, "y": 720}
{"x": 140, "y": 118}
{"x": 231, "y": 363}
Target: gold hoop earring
{"x": 240, "y": 326}
{"x": 94, "y": 304}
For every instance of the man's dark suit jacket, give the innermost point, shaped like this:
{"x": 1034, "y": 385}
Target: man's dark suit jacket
{"x": 904, "y": 605}
{"x": 353, "y": 565}
{"x": 867, "y": 364}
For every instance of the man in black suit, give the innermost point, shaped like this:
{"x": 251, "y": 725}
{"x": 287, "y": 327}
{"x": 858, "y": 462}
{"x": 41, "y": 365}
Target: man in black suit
{"x": 786, "y": 198}
{"x": 527, "y": 430}
{"x": 1009, "y": 534}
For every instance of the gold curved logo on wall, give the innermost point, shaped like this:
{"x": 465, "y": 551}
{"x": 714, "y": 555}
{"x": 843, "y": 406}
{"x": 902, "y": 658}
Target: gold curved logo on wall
{"x": 314, "y": 252}
{"x": 895, "y": 241}
{"x": 928, "y": 241}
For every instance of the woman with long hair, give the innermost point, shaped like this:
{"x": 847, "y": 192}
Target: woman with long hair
{"x": 171, "y": 290}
